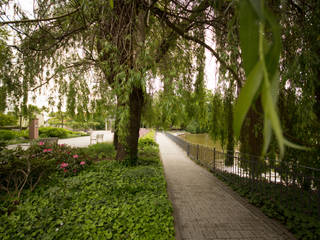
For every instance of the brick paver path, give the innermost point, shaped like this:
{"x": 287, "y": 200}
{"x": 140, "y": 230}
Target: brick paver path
{"x": 205, "y": 208}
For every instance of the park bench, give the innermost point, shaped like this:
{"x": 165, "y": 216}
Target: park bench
{"x": 96, "y": 137}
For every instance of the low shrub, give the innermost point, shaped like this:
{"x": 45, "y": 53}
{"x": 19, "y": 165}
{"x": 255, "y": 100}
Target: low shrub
{"x": 147, "y": 140}
{"x": 23, "y": 134}
{"x": 101, "y": 151}
{"x": 25, "y": 169}
{"x": 7, "y": 120}
{"x": 45, "y": 132}
{"x": 6, "y": 135}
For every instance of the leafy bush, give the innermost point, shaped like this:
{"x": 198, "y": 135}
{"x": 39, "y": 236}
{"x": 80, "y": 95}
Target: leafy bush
{"x": 194, "y": 127}
{"x": 147, "y": 140}
{"x": 7, "y": 120}
{"x": 151, "y": 134}
{"x": 45, "y": 132}
{"x": 101, "y": 151}
{"x": 6, "y": 135}
{"x": 104, "y": 201}
{"x": 21, "y": 169}
{"x": 23, "y": 134}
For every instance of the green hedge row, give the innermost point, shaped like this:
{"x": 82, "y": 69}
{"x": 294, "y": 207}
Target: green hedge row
{"x": 44, "y": 132}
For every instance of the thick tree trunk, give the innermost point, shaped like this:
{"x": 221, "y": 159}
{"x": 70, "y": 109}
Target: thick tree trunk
{"x": 129, "y": 150}
{"x": 125, "y": 29}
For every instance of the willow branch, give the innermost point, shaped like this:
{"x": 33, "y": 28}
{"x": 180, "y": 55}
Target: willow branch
{"x": 39, "y": 20}
{"x": 161, "y": 14}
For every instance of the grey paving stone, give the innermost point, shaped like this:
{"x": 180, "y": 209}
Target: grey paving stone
{"x": 205, "y": 208}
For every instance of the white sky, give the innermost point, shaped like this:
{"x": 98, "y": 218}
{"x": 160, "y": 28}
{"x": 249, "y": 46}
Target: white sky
{"x": 210, "y": 63}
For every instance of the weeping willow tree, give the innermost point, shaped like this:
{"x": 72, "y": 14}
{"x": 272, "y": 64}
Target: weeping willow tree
{"x": 119, "y": 43}
{"x": 269, "y": 68}
{"x": 119, "y": 47}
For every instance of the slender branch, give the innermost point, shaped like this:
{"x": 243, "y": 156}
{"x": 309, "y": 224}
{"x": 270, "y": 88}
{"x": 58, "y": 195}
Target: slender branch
{"x": 59, "y": 71}
{"x": 161, "y": 14}
{"x": 39, "y": 20}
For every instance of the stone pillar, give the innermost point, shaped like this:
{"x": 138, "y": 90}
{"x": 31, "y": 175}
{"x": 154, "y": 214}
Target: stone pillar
{"x": 34, "y": 129}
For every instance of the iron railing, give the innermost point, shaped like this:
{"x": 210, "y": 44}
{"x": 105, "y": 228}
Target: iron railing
{"x": 294, "y": 185}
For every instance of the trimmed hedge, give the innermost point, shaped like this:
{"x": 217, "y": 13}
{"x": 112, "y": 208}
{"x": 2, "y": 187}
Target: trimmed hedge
{"x": 53, "y": 132}
{"x": 6, "y": 135}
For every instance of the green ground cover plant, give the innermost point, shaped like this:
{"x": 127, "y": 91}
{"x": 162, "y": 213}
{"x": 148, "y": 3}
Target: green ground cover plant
{"x": 294, "y": 207}
{"x": 103, "y": 200}
{"x": 100, "y": 151}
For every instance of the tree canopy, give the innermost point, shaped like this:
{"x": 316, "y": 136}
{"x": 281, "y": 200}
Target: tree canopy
{"x": 114, "y": 50}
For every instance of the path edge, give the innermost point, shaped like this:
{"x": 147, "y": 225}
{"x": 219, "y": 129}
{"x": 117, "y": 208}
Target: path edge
{"x": 175, "y": 215}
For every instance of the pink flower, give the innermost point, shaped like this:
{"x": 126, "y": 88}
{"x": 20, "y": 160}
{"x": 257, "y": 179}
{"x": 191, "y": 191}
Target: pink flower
{"x": 65, "y": 170}
{"x": 61, "y": 145}
{"x": 63, "y": 165}
{"x": 41, "y": 143}
{"x": 75, "y": 156}
{"x": 50, "y": 150}
{"x": 82, "y": 163}
{"x": 45, "y": 150}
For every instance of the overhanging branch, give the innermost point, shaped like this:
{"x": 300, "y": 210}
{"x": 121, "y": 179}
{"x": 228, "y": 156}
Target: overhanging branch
{"x": 183, "y": 33}
{"x": 39, "y": 20}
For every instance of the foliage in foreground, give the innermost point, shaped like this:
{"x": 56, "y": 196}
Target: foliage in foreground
{"x": 100, "y": 151}
{"x": 295, "y": 208}
{"x": 105, "y": 201}
{"x": 25, "y": 169}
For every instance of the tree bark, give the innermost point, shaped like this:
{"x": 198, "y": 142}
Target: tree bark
{"x": 251, "y": 138}
{"x": 135, "y": 110}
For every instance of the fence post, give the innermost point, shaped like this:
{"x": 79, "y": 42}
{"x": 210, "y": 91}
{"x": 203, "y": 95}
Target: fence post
{"x": 197, "y": 152}
{"x": 214, "y": 158}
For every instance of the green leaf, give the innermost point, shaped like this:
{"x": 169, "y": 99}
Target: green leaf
{"x": 111, "y": 3}
{"x": 270, "y": 111}
{"x": 267, "y": 133}
{"x": 249, "y": 36}
{"x": 246, "y": 97}
{"x": 293, "y": 145}
{"x": 273, "y": 55}
{"x": 257, "y": 6}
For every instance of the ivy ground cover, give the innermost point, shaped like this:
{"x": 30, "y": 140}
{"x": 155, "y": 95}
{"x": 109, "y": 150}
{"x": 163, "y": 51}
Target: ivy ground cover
{"x": 106, "y": 200}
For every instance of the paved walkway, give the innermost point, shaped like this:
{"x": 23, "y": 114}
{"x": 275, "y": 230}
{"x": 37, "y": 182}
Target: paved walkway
{"x": 85, "y": 141}
{"x": 74, "y": 142}
{"x": 205, "y": 208}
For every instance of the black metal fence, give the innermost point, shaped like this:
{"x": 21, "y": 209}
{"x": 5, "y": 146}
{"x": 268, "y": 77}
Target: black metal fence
{"x": 291, "y": 185}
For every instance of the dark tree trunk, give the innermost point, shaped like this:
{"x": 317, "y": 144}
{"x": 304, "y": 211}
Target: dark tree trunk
{"x": 129, "y": 150}
{"x": 251, "y": 139}
{"x": 230, "y": 144}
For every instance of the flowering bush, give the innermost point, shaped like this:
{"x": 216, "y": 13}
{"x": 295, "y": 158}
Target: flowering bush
{"x": 21, "y": 169}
